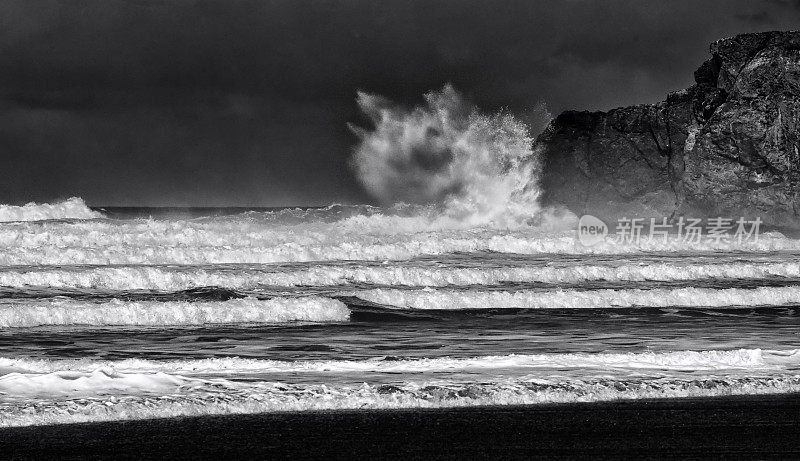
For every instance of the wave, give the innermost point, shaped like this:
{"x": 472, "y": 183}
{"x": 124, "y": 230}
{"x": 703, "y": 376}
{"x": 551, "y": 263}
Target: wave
{"x": 332, "y": 234}
{"x": 749, "y": 359}
{"x": 133, "y": 396}
{"x": 74, "y": 208}
{"x": 183, "y": 278}
{"x": 74, "y": 384}
{"x": 222, "y": 241}
{"x": 478, "y": 168}
{"x": 31, "y": 313}
{"x": 575, "y": 299}
{"x": 375, "y": 238}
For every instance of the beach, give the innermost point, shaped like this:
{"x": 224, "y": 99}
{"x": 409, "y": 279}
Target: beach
{"x": 766, "y": 426}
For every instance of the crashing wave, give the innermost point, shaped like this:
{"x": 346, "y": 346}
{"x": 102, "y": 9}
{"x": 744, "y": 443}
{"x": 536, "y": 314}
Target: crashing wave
{"x": 754, "y": 359}
{"x": 157, "y": 278}
{"x": 31, "y": 313}
{"x": 74, "y": 384}
{"x": 372, "y": 238}
{"x": 577, "y": 299}
{"x": 74, "y": 208}
{"x": 134, "y": 397}
{"x": 477, "y": 168}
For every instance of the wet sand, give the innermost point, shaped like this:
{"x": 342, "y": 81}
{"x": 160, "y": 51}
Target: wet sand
{"x": 746, "y": 427}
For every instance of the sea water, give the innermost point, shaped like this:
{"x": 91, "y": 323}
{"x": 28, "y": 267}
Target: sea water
{"x": 111, "y": 314}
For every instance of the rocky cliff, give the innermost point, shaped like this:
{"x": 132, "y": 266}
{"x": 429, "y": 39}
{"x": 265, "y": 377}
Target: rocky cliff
{"x": 727, "y": 146}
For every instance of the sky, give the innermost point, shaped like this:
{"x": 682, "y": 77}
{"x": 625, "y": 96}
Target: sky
{"x": 238, "y": 102}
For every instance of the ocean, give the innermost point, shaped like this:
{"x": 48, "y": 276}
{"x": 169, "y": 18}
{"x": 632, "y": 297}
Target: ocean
{"x": 132, "y": 313}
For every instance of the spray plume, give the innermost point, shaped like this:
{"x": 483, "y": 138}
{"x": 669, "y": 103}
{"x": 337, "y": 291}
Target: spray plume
{"x": 473, "y": 167}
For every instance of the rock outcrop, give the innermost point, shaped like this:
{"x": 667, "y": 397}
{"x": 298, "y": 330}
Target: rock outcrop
{"x": 727, "y": 146}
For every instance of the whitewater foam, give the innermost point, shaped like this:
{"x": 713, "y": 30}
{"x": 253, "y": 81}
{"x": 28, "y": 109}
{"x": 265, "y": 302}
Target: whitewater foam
{"x": 225, "y": 397}
{"x": 31, "y": 313}
{"x": 479, "y": 168}
{"x": 743, "y": 359}
{"x": 76, "y": 384}
{"x": 577, "y": 299}
{"x": 182, "y": 278}
{"x": 102, "y": 242}
{"x": 73, "y": 208}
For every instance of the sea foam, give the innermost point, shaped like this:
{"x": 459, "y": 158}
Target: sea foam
{"x": 125, "y": 397}
{"x": 742, "y": 359}
{"x": 373, "y": 238}
{"x": 31, "y": 313}
{"x": 160, "y": 278}
{"x": 577, "y": 299}
{"x": 74, "y": 208}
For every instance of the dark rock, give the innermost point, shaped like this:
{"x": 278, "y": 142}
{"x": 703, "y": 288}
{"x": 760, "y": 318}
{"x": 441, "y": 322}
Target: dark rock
{"x": 727, "y": 146}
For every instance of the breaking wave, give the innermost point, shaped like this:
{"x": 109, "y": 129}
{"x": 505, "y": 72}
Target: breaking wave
{"x": 75, "y": 384}
{"x": 274, "y": 397}
{"x": 576, "y": 299}
{"x": 664, "y": 360}
{"x": 74, "y": 208}
{"x": 103, "y": 393}
{"x": 159, "y": 278}
{"x": 358, "y": 238}
{"x": 57, "y": 311}
{"x": 477, "y": 168}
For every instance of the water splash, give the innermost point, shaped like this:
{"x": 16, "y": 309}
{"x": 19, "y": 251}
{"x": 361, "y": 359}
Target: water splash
{"x": 473, "y": 167}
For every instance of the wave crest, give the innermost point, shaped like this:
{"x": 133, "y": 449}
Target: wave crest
{"x": 73, "y": 208}
{"x": 102, "y": 394}
{"x": 686, "y": 360}
{"x": 576, "y": 299}
{"x": 183, "y": 278}
{"x": 28, "y": 313}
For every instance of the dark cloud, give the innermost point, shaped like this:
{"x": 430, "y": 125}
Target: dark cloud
{"x": 761, "y": 17}
{"x": 190, "y": 102}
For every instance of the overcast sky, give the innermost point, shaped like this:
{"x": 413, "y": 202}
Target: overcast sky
{"x": 184, "y": 102}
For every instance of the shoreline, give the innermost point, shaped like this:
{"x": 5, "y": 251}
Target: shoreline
{"x": 744, "y": 425}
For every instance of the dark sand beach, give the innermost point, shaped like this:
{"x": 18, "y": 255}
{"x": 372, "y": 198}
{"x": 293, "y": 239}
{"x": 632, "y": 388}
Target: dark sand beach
{"x": 724, "y": 427}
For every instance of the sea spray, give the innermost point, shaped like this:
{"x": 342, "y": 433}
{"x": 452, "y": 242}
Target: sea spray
{"x": 477, "y": 168}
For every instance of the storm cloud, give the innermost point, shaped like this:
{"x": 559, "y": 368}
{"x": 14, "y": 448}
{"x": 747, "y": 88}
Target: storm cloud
{"x": 188, "y": 102}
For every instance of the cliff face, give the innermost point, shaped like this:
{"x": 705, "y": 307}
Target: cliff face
{"x": 727, "y": 146}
